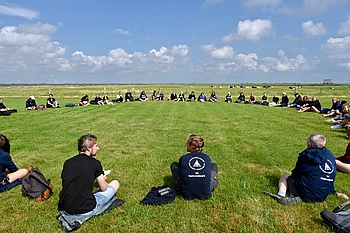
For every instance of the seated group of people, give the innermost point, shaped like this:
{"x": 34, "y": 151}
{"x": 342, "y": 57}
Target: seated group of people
{"x": 194, "y": 176}
{"x": 50, "y": 103}
{"x": 253, "y": 100}
{"x": 84, "y": 101}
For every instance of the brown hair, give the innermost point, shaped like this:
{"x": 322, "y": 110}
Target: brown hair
{"x": 85, "y": 141}
{"x": 4, "y": 143}
{"x": 196, "y": 142}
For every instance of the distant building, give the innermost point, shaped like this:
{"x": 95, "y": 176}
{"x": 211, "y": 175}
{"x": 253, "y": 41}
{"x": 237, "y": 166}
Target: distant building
{"x": 327, "y": 81}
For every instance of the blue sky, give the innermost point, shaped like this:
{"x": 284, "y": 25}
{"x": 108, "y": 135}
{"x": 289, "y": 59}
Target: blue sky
{"x": 174, "y": 41}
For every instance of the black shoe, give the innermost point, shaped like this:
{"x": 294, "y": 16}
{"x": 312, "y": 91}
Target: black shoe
{"x": 289, "y": 200}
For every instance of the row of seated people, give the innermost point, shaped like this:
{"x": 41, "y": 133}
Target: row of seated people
{"x": 51, "y": 102}
{"x": 339, "y": 110}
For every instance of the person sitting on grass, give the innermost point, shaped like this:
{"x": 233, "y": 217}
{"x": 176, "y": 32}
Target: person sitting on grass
{"x": 31, "y": 104}
{"x": 128, "y": 96}
{"x": 10, "y": 175}
{"x": 4, "y": 109}
{"x": 275, "y": 101}
{"x": 202, "y": 97}
{"x": 161, "y": 96}
{"x": 195, "y": 176}
{"x": 77, "y": 198}
{"x": 213, "y": 97}
{"x": 312, "y": 179}
{"x": 241, "y": 98}
{"x": 181, "y": 96}
{"x": 335, "y": 109}
{"x": 173, "y": 96}
{"x": 84, "y": 101}
{"x": 143, "y": 96}
{"x": 119, "y": 97}
{"x": 284, "y": 101}
{"x": 313, "y": 106}
{"x": 297, "y": 101}
{"x": 98, "y": 100}
{"x": 264, "y": 100}
{"x": 252, "y": 99}
{"x": 51, "y": 102}
{"x": 105, "y": 99}
{"x": 228, "y": 97}
{"x": 191, "y": 97}
{"x": 154, "y": 96}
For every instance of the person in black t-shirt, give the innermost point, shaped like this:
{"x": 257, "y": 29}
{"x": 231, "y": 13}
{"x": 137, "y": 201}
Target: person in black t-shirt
{"x": 195, "y": 176}
{"x": 78, "y": 175}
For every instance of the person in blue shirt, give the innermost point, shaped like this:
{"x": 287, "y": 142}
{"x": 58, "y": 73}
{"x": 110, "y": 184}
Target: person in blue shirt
{"x": 297, "y": 101}
{"x": 312, "y": 179}
{"x": 195, "y": 176}
{"x": 143, "y": 96}
{"x": 335, "y": 109}
{"x": 10, "y": 175}
{"x": 202, "y": 97}
{"x": 31, "y": 104}
{"x": 213, "y": 97}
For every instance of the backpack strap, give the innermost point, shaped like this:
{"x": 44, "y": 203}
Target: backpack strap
{"x": 341, "y": 207}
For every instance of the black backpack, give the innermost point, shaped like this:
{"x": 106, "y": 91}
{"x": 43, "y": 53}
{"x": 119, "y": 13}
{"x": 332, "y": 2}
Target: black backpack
{"x": 339, "y": 217}
{"x": 36, "y": 186}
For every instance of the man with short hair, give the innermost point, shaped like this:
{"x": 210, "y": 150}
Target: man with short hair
{"x": 312, "y": 179}
{"x": 78, "y": 175}
{"x": 51, "y": 102}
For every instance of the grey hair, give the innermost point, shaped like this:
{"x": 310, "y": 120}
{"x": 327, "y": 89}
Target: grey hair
{"x": 317, "y": 140}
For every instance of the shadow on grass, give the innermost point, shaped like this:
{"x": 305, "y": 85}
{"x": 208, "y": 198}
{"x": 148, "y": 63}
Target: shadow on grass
{"x": 168, "y": 181}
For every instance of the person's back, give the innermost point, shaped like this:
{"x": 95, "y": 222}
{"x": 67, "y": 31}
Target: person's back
{"x": 314, "y": 174}
{"x": 78, "y": 176}
{"x": 195, "y": 175}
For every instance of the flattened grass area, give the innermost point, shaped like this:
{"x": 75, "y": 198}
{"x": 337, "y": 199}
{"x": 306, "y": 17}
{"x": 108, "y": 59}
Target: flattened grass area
{"x": 253, "y": 146}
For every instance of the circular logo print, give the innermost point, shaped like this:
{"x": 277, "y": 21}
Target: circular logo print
{"x": 196, "y": 163}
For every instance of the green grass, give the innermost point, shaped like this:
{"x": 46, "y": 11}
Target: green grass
{"x": 253, "y": 146}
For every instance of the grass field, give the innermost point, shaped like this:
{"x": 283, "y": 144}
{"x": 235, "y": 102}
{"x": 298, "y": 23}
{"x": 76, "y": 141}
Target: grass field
{"x": 253, "y": 146}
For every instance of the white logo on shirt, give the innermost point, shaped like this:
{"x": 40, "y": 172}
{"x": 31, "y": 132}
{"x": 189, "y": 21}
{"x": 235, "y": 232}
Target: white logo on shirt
{"x": 327, "y": 167}
{"x": 196, "y": 163}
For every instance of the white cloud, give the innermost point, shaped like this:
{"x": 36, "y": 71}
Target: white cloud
{"x": 225, "y": 52}
{"x": 339, "y": 44}
{"x": 264, "y": 3}
{"x": 344, "y": 28}
{"x": 181, "y": 50}
{"x": 311, "y": 29}
{"x": 122, "y": 32}
{"x": 311, "y": 7}
{"x": 33, "y": 40}
{"x": 211, "y": 2}
{"x": 344, "y": 65}
{"x": 251, "y": 30}
{"x": 19, "y": 11}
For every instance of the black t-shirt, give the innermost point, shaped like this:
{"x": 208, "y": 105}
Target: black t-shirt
{"x": 78, "y": 176}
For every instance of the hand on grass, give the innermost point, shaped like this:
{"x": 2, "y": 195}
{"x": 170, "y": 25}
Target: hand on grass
{"x": 342, "y": 195}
